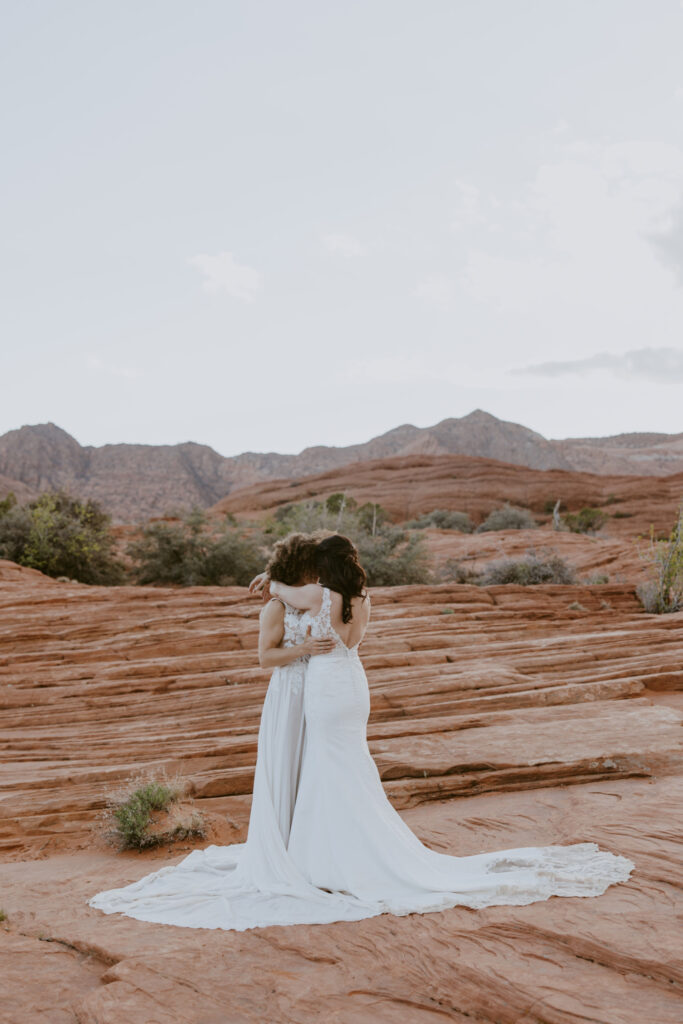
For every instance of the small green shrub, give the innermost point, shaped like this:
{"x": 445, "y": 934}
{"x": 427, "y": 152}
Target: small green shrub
{"x": 129, "y": 814}
{"x": 442, "y": 519}
{"x": 507, "y": 517}
{"x": 453, "y": 570}
{"x": 623, "y": 515}
{"x": 588, "y": 520}
{"x": 576, "y": 606}
{"x": 546, "y": 567}
{"x": 3, "y": 915}
{"x": 596, "y": 578}
{"x": 663, "y": 592}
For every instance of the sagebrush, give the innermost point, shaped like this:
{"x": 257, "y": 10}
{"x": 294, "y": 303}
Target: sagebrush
{"x": 128, "y": 818}
{"x": 508, "y": 517}
{"x": 663, "y": 592}
{"x": 544, "y": 566}
{"x": 442, "y": 519}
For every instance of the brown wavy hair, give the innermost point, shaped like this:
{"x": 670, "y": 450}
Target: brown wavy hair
{"x": 340, "y": 570}
{"x": 293, "y": 559}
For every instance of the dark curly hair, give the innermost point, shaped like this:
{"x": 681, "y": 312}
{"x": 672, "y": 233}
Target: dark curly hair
{"x": 293, "y": 559}
{"x": 340, "y": 570}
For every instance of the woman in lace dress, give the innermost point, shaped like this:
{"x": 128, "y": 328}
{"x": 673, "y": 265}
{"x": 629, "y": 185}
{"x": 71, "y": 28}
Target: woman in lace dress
{"x": 285, "y": 645}
{"x": 252, "y": 884}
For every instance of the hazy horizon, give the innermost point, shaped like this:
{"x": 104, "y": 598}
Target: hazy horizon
{"x": 268, "y": 227}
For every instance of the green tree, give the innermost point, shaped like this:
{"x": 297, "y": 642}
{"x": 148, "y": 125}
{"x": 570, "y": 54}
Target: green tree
{"x": 7, "y": 503}
{"x": 389, "y": 555}
{"x": 191, "y": 553}
{"x": 61, "y": 536}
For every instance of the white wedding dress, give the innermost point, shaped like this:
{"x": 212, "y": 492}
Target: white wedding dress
{"x": 324, "y": 842}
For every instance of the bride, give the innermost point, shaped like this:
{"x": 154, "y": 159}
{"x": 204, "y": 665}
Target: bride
{"x": 349, "y": 854}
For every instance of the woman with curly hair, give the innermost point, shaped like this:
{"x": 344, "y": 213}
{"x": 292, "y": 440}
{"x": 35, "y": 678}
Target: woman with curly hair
{"x": 285, "y": 645}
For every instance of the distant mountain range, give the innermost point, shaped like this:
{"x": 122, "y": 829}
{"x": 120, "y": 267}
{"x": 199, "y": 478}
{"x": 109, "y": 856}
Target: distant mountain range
{"x": 136, "y": 481}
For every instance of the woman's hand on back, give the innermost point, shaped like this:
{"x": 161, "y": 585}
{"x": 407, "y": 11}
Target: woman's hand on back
{"x": 316, "y": 645}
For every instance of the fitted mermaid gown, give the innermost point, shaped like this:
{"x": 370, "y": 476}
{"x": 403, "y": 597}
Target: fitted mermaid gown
{"x": 324, "y": 842}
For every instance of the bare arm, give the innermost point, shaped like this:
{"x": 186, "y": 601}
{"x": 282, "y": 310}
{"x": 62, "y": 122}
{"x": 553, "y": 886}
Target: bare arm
{"x": 307, "y": 598}
{"x": 272, "y": 630}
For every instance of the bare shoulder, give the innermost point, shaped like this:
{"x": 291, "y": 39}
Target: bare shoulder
{"x": 272, "y": 612}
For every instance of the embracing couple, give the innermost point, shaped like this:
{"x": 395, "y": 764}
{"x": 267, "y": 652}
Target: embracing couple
{"x": 324, "y": 842}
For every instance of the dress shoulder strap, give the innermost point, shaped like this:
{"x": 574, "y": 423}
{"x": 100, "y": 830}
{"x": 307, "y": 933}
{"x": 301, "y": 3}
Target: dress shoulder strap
{"x": 324, "y": 613}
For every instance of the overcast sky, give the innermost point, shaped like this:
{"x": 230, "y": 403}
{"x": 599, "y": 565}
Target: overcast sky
{"x": 266, "y": 224}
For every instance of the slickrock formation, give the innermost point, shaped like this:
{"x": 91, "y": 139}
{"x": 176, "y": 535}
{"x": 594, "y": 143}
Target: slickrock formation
{"x": 413, "y": 485}
{"x": 501, "y": 717}
{"x": 135, "y": 481}
{"x": 621, "y": 559}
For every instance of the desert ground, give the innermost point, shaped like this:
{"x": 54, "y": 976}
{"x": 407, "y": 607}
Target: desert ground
{"x": 501, "y": 717}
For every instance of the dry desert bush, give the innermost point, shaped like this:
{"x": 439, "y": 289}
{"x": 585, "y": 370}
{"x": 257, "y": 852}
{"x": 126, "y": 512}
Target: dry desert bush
{"x": 128, "y": 821}
{"x": 663, "y": 592}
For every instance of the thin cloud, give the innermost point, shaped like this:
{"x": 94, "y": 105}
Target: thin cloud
{"x": 345, "y": 245}
{"x": 222, "y": 273}
{"x": 654, "y": 364}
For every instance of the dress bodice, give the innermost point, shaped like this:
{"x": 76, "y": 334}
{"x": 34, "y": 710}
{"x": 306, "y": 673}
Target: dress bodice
{"x": 321, "y": 626}
{"x": 292, "y": 676}
{"x": 295, "y": 628}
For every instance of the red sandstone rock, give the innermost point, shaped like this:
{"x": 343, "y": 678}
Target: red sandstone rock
{"x": 410, "y": 486}
{"x": 501, "y": 717}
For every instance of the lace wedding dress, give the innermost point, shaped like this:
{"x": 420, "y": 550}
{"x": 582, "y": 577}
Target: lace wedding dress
{"x": 325, "y": 843}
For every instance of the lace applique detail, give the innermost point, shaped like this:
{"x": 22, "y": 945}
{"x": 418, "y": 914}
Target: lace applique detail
{"x": 324, "y": 614}
{"x": 321, "y": 625}
{"x": 295, "y": 632}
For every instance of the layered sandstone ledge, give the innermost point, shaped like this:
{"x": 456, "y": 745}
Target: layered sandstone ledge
{"x": 501, "y": 717}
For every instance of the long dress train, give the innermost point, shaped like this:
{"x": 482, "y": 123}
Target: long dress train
{"x": 347, "y": 837}
{"x": 347, "y": 854}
